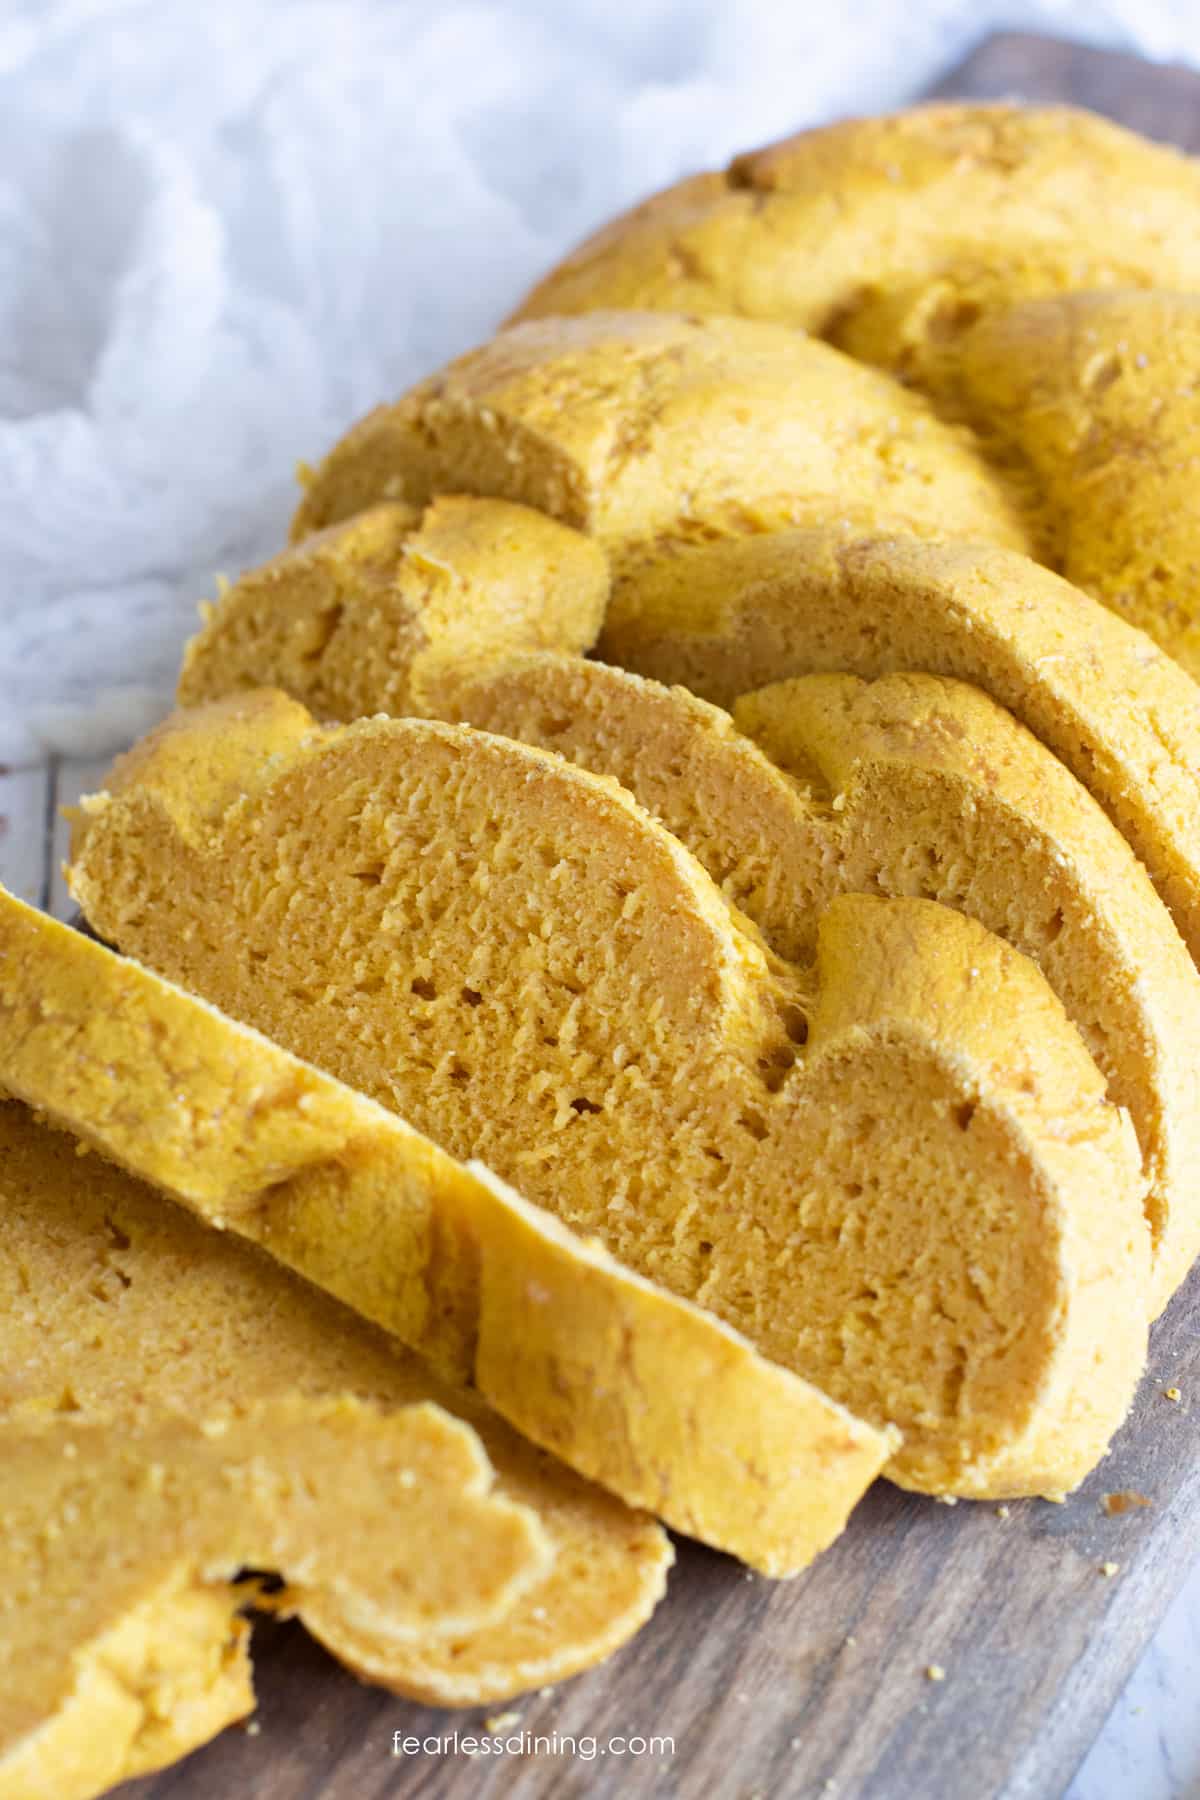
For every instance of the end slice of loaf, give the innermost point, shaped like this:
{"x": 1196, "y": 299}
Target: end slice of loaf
{"x": 725, "y": 1445}
{"x": 635, "y": 427}
{"x": 120, "y": 1547}
{"x": 895, "y": 1171}
{"x": 206, "y": 1325}
{"x": 1122, "y": 716}
{"x": 915, "y": 785}
{"x": 1096, "y": 394}
{"x": 360, "y": 617}
{"x": 952, "y": 209}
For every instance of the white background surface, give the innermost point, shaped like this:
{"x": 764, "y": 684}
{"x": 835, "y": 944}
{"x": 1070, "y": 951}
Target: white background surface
{"x": 228, "y": 228}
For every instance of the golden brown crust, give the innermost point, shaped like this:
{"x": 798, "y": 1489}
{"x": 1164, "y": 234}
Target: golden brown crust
{"x": 974, "y": 251}
{"x": 882, "y": 233}
{"x": 508, "y": 950}
{"x": 638, "y": 427}
{"x": 1095, "y": 394}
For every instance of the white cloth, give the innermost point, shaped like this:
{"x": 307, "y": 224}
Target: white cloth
{"x": 228, "y": 226}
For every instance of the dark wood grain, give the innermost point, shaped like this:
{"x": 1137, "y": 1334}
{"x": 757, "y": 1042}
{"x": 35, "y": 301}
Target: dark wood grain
{"x": 818, "y": 1687}
{"x": 1160, "y": 99}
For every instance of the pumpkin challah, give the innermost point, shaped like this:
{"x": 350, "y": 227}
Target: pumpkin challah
{"x": 721, "y": 762}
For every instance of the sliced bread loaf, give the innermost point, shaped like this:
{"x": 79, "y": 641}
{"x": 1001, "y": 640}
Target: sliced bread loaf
{"x": 121, "y": 1545}
{"x": 635, "y": 427}
{"x": 1122, "y": 716}
{"x": 896, "y": 1171}
{"x": 115, "y": 1303}
{"x": 362, "y": 616}
{"x": 629, "y": 1384}
{"x": 915, "y": 785}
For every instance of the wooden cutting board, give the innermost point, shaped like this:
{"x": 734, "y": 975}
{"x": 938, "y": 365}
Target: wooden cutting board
{"x": 819, "y": 1687}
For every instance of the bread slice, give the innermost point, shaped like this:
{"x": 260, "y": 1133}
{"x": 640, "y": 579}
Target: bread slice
{"x": 896, "y": 1171}
{"x": 649, "y": 1395}
{"x": 914, "y": 785}
{"x": 120, "y": 1549}
{"x": 1122, "y": 716}
{"x": 117, "y": 1304}
{"x": 363, "y": 615}
{"x": 166, "y": 1674}
{"x": 639, "y": 427}
{"x": 888, "y": 235}
{"x": 1095, "y": 394}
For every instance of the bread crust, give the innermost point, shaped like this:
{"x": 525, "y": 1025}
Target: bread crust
{"x": 875, "y": 231}
{"x": 1117, "y": 711}
{"x": 640, "y": 428}
{"x": 975, "y": 252}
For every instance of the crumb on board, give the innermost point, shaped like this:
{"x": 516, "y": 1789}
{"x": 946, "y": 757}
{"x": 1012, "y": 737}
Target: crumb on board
{"x": 1004, "y": 1512}
{"x": 1124, "y": 1501}
{"x": 501, "y": 1722}
{"x": 1172, "y": 1393}
{"x": 1109, "y": 1568}
{"x": 851, "y": 1640}
{"x": 946, "y": 1499}
{"x": 934, "y": 1672}
{"x": 253, "y": 1728}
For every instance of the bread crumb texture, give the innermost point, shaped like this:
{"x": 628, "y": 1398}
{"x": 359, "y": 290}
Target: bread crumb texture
{"x": 630, "y": 1384}
{"x": 1116, "y": 710}
{"x": 912, "y": 785}
{"x": 362, "y": 617}
{"x": 510, "y": 952}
